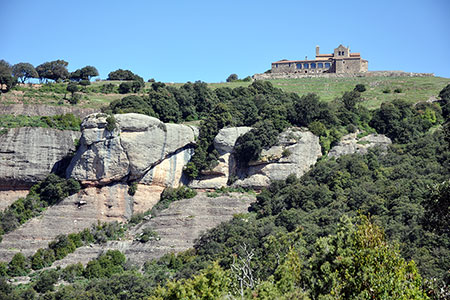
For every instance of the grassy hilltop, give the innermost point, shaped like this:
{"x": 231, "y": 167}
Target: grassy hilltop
{"x": 379, "y": 89}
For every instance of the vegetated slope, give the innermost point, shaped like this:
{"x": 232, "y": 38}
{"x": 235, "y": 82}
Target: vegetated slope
{"x": 172, "y": 230}
{"x": 326, "y": 254}
{"x": 369, "y": 184}
{"x": 101, "y": 93}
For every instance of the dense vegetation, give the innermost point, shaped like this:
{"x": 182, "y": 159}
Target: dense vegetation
{"x": 270, "y": 110}
{"x": 62, "y": 122}
{"x": 50, "y": 191}
{"x": 304, "y": 238}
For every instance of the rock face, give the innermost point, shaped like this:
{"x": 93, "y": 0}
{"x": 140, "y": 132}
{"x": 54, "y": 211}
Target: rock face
{"x": 351, "y": 144}
{"x": 224, "y": 144}
{"x": 73, "y": 214}
{"x": 27, "y": 155}
{"x": 297, "y": 150}
{"x": 133, "y": 151}
{"x": 177, "y": 227}
{"x": 43, "y": 110}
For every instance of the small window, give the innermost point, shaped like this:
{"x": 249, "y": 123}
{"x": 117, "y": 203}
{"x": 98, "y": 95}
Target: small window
{"x": 320, "y": 65}
{"x": 289, "y": 65}
{"x": 327, "y": 65}
{"x": 299, "y": 66}
{"x": 276, "y": 65}
{"x": 313, "y": 65}
{"x": 306, "y": 66}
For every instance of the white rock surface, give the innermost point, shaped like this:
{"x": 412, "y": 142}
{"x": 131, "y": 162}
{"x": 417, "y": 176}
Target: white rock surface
{"x": 137, "y": 145}
{"x": 27, "y": 154}
{"x": 350, "y": 144}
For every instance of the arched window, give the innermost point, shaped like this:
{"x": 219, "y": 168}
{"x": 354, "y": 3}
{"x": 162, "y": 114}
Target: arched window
{"x": 320, "y": 65}
{"x": 306, "y": 66}
{"x": 313, "y": 65}
{"x": 299, "y": 66}
{"x": 327, "y": 65}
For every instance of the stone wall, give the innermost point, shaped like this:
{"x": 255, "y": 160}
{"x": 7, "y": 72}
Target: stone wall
{"x": 268, "y": 76}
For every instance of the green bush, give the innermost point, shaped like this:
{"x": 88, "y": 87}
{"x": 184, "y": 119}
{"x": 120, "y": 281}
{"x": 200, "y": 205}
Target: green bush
{"x": 111, "y": 123}
{"x": 125, "y": 87}
{"x": 132, "y": 188}
{"x": 360, "y": 88}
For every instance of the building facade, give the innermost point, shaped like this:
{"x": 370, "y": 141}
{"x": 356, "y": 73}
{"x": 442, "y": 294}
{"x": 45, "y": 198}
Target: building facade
{"x": 340, "y": 61}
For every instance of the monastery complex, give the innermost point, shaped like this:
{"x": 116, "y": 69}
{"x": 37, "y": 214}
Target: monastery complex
{"x": 340, "y": 61}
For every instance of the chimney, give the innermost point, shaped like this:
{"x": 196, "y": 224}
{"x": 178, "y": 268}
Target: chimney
{"x": 317, "y": 50}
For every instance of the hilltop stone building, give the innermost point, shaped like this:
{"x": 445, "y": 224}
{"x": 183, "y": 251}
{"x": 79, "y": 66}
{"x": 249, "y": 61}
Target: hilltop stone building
{"x": 341, "y": 61}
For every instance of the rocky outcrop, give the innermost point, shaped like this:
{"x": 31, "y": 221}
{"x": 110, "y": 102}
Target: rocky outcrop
{"x": 77, "y": 212}
{"x": 8, "y": 196}
{"x": 350, "y": 143}
{"x": 27, "y": 155}
{"x": 132, "y": 151}
{"x": 224, "y": 144}
{"x": 43, "y": 110}
{"x": 297, "y": 150}
{"x": 177, "y": 228}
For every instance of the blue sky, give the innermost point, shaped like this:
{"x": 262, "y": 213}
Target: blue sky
{"x": 179, "y": 41}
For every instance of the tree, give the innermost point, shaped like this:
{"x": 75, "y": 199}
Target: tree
{"x": 7, "y": 81}
{"x": 121, "y": 75}
{"x": 24, "y": 71}
{"x": 232, "y": 77}
{"x": 88, "y": 72}
{"x": 54, "y": 70}
{"x": 437, "y": 215}
{"x": 125, "y": 87}
{"x": 18, "y": 265}
{"x": 72, "y": 88}
{"x": 358, "y": 263}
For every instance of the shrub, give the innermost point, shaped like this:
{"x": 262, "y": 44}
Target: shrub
{"x": 76, "y": 97}
{"x": 111, "y": 123}
{"x": 18, "y": 265}
{"x": 360, "y": 88}
{"x": 232, "y": 77}
{"x": 107, "y": 88}
{"x": 386, "y": 91}
{"x": 398, "y": 90}
{"x": 148, "y": 234}
{"x": 132, "y": 189}
{"x": 85, "y": 82}
{"x": 125, "y": 87}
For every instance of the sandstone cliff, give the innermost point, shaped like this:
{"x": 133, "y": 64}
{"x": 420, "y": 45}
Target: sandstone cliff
{"x": 350, "y": 143}
{"x": 132, "y": 151}
{"x": 27, "y": 155}
{"x": 43, "y": 110}
{"x": 296, "y": 151}
{"x": 177, "y": 228}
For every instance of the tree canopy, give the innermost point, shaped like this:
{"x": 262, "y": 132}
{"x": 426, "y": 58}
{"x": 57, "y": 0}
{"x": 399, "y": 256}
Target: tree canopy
{"x": 24, "y": 71}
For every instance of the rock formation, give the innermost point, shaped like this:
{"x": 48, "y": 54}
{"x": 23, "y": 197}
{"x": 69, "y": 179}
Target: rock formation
{"x": 177, "y": 228}
{"x": 132, "y": 151}
{"x": 297, "y": 150}
{"x": 27, "y": 155}
{"x": 75, "y": 213}
{"x": 224, "y": 144}
{"x": 350, "y": 143}
{"x": 43, "y": 110}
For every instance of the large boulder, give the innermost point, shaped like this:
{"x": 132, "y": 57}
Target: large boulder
{"x": 350, "y": 144}
{"x": 296, "y": 151}
{"x": 224, "y": 144}
{"x": 27, "y": 155}
{"x": 136, "y": 146}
